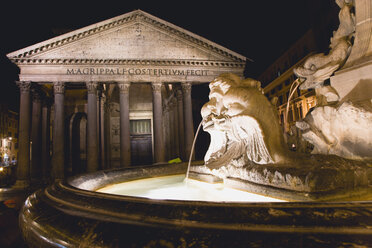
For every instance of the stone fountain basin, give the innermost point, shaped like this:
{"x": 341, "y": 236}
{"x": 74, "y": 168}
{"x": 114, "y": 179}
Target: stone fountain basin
{"x": 71, "y": 214}
{"x": 305, "y": 178}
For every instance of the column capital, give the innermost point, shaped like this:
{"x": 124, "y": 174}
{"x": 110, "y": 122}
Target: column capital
{"x": 186, "y": 87}
{"x": 24, "y": 86}
{"x": 124, "y": 87}
{"x": 92, "y": 87}
{"x": 174, "y": 101}
{"x": 59, "y": 87}
{"x": 37, "y": 94}
{"x": 156, "y": 86}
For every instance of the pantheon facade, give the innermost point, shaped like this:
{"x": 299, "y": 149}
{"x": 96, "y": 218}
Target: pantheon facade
{"x": 113, "y": 94}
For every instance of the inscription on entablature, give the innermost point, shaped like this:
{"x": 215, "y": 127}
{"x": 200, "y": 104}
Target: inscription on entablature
{"x": 134, "y": 71}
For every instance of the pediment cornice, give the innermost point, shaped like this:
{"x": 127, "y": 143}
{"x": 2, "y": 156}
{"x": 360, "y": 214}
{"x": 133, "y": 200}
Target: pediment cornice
{"x": 26, "y": 55}
{"x": 195, "y": 63}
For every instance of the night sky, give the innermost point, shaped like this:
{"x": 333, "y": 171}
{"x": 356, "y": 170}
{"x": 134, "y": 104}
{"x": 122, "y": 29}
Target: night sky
{"x": 262, "y": 30}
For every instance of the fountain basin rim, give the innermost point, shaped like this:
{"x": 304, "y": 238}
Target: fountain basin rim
{"x": 277, "y": 210}
{"x": 49, "y": 214}
{"x": 144, "y": 172}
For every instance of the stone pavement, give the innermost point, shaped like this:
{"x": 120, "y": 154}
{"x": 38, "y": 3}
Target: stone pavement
{"x": 10, "y": 203}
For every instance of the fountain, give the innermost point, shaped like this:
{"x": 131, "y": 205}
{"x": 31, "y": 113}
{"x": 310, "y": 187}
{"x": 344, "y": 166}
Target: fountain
{"x": 248, "y": 151}
{"x": 328, "y": 193}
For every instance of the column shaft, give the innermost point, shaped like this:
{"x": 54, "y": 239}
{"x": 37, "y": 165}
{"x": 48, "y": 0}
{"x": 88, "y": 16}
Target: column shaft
{"x": 125, "y": 151}
{"x": 23, "y": 168}
{"x": 36, "y": 167}
{"x": 103, "y": 137}
{"x": 159, "y": 151}
{"x": 175, "y": 129}
{"x": 58, "y": 165}
{"x": 45, "y": 140}
{"x": 189, "y": 124}
{"x": 172, "y": 142}
{"x": 92, "y": 137}
{"x": 181, "y": 125}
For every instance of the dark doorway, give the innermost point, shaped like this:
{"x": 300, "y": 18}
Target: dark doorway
{"x": 141, "y": 142}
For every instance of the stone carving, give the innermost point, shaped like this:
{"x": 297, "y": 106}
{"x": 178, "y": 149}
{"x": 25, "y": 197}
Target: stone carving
{"x": 343, "y": 130}
{"x": 320, "y": 67}
{"x": 156, "y": 87}
{"x": 247, "y": 148}
{"x": 338, "y": 126}
{"x": 92, "y": 87}
{"x": 124, "y": 87}
{"x": 237, "y": 117}
{"x": 37, "y": 95}
{"x": 186, "y": 88}
{"x": 59, "y": 87}
{"x": 24, "y": 86}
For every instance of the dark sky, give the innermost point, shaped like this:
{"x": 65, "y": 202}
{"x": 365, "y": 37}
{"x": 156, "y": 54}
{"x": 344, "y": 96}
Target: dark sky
{"x": 260, "y": 30}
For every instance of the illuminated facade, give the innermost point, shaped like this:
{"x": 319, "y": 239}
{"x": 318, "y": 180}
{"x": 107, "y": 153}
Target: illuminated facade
{"x": 279, "y": 77}
{"x": 300, "y": 103}
{"x": 113, "y": 94}
{"x": 8, "y": 135}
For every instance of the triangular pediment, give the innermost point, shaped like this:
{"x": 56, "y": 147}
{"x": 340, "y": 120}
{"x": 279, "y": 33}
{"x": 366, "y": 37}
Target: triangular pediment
{"x": 133, "y": 36}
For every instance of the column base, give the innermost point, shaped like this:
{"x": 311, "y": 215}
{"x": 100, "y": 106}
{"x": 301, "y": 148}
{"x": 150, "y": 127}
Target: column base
{"x": 21, "y": 184}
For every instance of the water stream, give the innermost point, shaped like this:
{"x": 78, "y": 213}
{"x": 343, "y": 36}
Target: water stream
{"x": 192, "y": 150}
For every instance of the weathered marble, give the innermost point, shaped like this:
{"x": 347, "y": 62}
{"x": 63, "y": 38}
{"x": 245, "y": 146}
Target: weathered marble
{"x": 133, "y": 47}
{"x": 247, "y": 147}
{"x": 340, "y": 124}
{"x": 343, "y": 130}
{"x": 242, "y": 123}
{"x": 320, "y": 67}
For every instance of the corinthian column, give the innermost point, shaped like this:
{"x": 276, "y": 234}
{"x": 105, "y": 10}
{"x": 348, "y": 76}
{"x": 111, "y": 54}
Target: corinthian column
{"x": 58, "y": 169}
{"x": 36, "y": 169}
{"x": 45, "y": 139}
{"x": 159, "y": 152}
{"x": 172, "y": 144}
{"x": 23, "y": 168}
{"x": 175, "y": 128}
{"x": 181, "y": 124}
{"x": 189, "y": 124}
{"x": 92, "y": 145}
{"x": 124, "y": 125}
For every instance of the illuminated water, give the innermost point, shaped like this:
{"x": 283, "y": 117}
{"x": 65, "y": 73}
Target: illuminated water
{"x": 175, "y": 188}
{"x": 192, "y": 149}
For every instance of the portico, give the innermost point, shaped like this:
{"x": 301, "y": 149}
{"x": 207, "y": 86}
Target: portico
{"x": 122, "y": 91}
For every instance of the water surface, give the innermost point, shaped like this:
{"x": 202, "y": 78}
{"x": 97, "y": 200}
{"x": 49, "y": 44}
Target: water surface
{"x": 176, "y": 188}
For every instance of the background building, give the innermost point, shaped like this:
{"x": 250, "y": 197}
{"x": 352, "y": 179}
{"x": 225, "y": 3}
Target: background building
{"x": 278, "y": 77}
{"x": 8, "y": 135}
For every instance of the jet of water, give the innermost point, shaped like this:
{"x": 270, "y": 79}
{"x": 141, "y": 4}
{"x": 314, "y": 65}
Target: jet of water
{"x": 192, "y": 150}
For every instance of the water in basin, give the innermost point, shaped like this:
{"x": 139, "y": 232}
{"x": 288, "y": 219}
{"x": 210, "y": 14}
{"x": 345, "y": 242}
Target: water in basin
{"x": 176, "y": 188}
